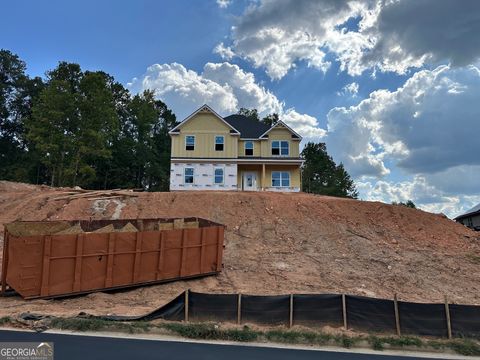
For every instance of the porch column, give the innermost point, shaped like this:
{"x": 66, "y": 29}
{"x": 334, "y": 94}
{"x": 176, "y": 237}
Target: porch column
{"x": 263, "y": 176}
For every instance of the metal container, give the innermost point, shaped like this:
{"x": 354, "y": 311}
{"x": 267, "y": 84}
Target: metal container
{"x": 43, "y": 260}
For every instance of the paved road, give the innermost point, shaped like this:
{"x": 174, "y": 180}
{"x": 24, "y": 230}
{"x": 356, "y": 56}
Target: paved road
{"x": 73, "y": 347}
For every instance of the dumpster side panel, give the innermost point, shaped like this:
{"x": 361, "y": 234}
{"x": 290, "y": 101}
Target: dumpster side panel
{"x": 24, "y": 271}
{"x": 54, "y": 265}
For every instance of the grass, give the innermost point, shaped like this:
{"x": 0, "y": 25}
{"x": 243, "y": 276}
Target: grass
{"x": 92, "y": 324}
{"x": 5, "y": 320}
{"x": 211, "y": 331}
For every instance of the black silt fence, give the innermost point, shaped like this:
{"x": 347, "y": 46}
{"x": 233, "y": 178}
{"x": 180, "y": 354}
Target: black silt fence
{"x": 212, "y": 307}
{"x": 361, "y": 313}
{"x": 269, "y": 310}
{"x": 465, "y": 320}
{"x": 368, "y": 314}
{"x": 317, "y": 310}
{"x": 423, "y": 319}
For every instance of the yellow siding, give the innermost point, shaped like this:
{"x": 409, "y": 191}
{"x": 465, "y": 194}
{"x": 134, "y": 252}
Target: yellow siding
{"x": 205, "y": 126}
{"x": 294, "y": 174}
{"x": 280, "y": 133}
{"x": 295, "y": 177}
{"x": 256, "y": 148}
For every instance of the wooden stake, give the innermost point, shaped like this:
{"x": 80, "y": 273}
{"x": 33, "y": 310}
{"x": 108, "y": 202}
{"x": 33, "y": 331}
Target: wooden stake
{"x": 186, "y": 305}
{"x": 397, "y": 315}
{"x": 239, "y": 309}
{"x": 447, "y": 313}
{"x": 290, "y": 324}
{"x": 344, "y": 307}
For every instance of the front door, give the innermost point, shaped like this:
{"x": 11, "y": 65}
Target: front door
{"x": 249, "y": 181}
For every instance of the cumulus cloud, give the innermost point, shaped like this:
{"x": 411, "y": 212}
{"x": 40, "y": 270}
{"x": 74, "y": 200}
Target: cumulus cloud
{"x": 223, "y": 3}
{"x": 225, "y": 87}
{"x": 225, "y": 52}
{"x": 424, "y": 194}
{"x": 428, "y": 125}
{"x": 349, "y": 90}
{"x": 388, "y": 35}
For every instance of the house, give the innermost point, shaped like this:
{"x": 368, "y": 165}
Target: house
{"x": 210, "y": 152}
{"x": 471, "y": 218}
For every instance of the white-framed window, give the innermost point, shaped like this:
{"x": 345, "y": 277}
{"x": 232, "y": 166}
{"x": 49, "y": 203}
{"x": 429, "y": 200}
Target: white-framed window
{"x": 190, "y": 142}
{"x": 188, "y": 175}
{"x": 248, "y": 148}
{"x": 218, "y": 175}
{"x": 280, "y": 148}
{"x": 280, "y": 179}
{"x": 219, "y": 142}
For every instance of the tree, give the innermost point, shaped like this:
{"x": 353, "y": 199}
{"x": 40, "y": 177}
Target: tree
{"x": 271, "y": 119}
{"x": 408, "y": 203}
{"x": 17, "y": 92}
{"x": 249, "y": 113}
{"x": 73, "y": 123}
{"x": 320, "y": 174}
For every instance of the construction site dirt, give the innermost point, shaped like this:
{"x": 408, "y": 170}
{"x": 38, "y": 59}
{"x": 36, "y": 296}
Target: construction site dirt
{"x": 275, "y": 243}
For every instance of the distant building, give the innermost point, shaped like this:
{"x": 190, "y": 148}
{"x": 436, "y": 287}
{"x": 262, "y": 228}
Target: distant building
{"x": 471, "y": 218}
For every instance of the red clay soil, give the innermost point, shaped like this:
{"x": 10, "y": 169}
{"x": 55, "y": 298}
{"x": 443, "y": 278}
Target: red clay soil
{"x": 277, "y": 243}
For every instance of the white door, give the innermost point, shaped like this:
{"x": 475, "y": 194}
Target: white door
{"x": 250, "y": 181}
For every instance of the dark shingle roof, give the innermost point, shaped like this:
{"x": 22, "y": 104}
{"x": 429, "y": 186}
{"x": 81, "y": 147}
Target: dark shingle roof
{"x": 249, "y": 128}
{"x": 472, "y": 211}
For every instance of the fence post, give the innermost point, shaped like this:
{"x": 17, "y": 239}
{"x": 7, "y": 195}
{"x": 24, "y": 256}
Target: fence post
{"x": 290, "y": 323}
{"x": 239, "y": 309}
{"x": 397, "y": 315}
{"x": 344, "y": 308}
{"x": 447, "y": 314}
{"x": 186, "y": 305}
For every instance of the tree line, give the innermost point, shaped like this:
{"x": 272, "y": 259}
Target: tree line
{"x": 83, "y": 128}
{"x": 80, "y": 128}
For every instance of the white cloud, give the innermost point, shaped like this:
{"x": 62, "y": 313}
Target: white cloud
{"x": 224, "y": 52}
{"x": 349, "y": 90}
{"x": 427, "y": 126}
{"x": 425, "y": 195}
{"x": 223, "y": 3}
{"x": 390, "y": 35}
{"x": 225, "y": 87}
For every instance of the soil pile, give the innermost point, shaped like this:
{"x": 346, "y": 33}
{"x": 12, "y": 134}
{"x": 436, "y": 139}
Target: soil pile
{"x": 277, "y": 243}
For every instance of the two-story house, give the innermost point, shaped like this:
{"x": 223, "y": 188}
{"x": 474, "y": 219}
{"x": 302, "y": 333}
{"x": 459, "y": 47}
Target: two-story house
{"x": 210, "y": 152}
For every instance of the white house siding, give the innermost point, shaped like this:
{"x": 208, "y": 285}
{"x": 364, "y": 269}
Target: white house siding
{"x": 203, "y": 176}
{"x": 283, "y": 189}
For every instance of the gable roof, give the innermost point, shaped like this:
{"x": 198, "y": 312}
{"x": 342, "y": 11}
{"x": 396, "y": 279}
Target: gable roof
{"x": 280, "y": 122}
{"x": 472, "y": 211}
{"x": 248, "y": 128}
{"x": 204, "y": 107}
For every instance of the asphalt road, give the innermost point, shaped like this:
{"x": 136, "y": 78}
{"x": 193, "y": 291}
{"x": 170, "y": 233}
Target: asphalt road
{"x": 73, "y": 347}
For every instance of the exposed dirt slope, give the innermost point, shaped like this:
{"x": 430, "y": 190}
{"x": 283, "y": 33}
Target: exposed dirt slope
{"x": 279, "y": 243}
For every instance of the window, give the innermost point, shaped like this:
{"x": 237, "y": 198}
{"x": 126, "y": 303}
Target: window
{"x": 280, "y": 148}
{"x": 188, "y": 175}
{"x": 280, "y": 179}
{"x": 248, "y": 148}
{"x": 218, "y": 176}
{"x": 190, "y": 142}
{"x": 219, "y": 140}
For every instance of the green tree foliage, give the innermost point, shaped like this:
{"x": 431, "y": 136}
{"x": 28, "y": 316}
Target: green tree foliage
{"x": 320, "y": 174}
{"x": 408, "y": 203}
{"x": 80, "y": 128}
{"x": 73, "y": 123}
{"x": 17, "y": 92}
{"x": 271, "y": 119}
{"x": 249, "y": 113}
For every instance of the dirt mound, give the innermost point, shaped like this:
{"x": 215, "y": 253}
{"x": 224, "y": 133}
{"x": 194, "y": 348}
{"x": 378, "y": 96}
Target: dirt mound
{"x": 278, "y": 243}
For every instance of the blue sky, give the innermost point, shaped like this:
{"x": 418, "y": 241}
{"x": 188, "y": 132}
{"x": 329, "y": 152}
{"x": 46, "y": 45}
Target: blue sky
{"x": 382, "y": 84}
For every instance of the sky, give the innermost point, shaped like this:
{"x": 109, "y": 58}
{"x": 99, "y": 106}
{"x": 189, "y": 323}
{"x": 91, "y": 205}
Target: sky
{"x": 392, "y": 87}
